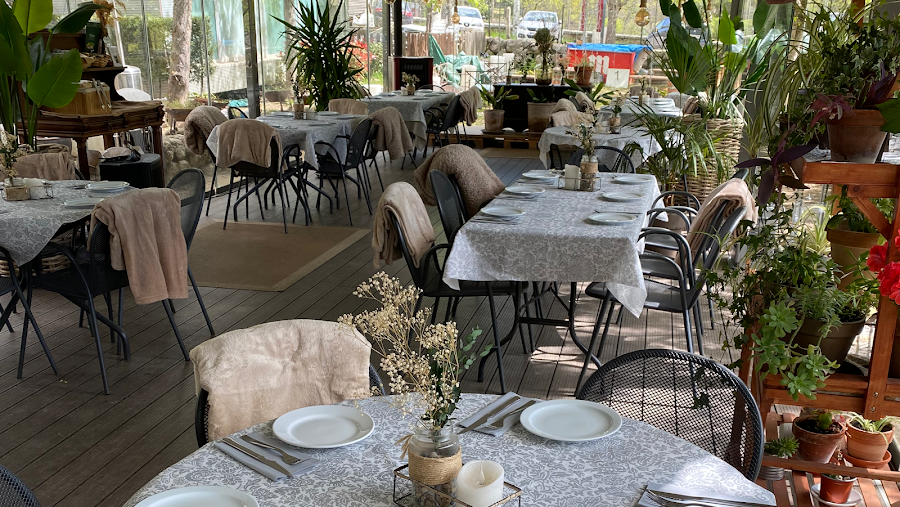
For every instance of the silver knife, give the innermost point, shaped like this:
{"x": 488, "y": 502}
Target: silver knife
{"x": 258, "y": 457}
{"x": 483, "y": 419}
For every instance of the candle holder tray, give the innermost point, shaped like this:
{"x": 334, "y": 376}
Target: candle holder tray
{"x": 403, "y": 491}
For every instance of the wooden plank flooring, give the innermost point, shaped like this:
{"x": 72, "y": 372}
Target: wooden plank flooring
{"x": 76, "y": 447}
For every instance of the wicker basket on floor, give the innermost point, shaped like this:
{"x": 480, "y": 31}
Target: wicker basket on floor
{"x": 729, "y": 134}
{"x": 50, "y": 263}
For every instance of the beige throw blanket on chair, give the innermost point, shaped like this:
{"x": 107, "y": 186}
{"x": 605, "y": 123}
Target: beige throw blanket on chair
{"x": 257, "y": 374}
{"x": 477, "y": 182}
{"x": 146, "y": 241}
{"x": 402, "y": 200}
{"x": 584, "y": 102}
{"x": 470, "y": 100}
{"x": 393, "y": 135}
{"x": 734, "y": 193}
{"x": 565, "y": 105}
{"x": 246, "y": 140}
{"x": 569, "y": 118}
{"x": 51, "y": 163}
{"x": 197, "y": 126}
{"x": 348, "y": 106}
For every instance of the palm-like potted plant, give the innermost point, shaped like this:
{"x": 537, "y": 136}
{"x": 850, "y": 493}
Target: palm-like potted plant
{"x": 539, "y": 110}
{"x": 544, "y": 41}
{"x": 819, "y": 435}
{"x": 868, "y": 441}
{"x": 493, "y": 118}
{"x": 584, "y": 70}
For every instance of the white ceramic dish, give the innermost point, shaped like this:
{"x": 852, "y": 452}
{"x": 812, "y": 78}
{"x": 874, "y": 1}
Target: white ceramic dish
{"x": 633, "y": 179}
{"x": 622, "y": 196}
{"x": 373, "y": 98}
{"x": 328, "y": 113}
{"x": 539, "y": 175}
{"x": 571, "y": 420}
{"x": 612, "y": 218}
{"x": 420, "y": 98}
{"x": 108, "y": 186}
{"x": 323, "y": 426}
{"x": 524, "y": 190}
{"x": 200, "y": 496}
{"x": 503, "y": 211}
{"x": 317, "y": 124}
{"x": 854, "y": 499}
{"x": 82, "y": 202}
{"x": 283, "y": 113}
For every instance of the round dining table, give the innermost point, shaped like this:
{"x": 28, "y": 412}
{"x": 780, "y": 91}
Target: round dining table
{"x": 610, "y": 471}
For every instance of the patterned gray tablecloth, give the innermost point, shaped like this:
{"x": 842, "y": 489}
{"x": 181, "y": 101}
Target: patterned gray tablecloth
{"x": 27, "y": 226}
{"x": 558, "y": 136}
{"x": 304, "y": 134}
{"x": 412, "y": 109}
{"x": 610, "y": 471}
{"x": 555, "y": 242}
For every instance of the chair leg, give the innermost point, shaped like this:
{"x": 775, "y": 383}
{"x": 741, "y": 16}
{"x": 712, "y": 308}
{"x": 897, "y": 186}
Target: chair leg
{"x": 228, "y": 203}
{"x": 8, "y": 325}
{"x": 590, "y": 347}
{"x": 378, "y": 172}
{"x": 81, "y": 318}
{"x": 212, "y": 332}
{"x": 687, "y": 330}
{"x": 283, "y": 209}
{"x": 175, "y": 329}
{"x": 712, "y": 317}
{"x": 347, "y": 199}
{"x": 211, "y": 190}
{"x": 95, "y": 330}
{"x": 109, "y": 313}
{"x": 119, "y": 320}
{"x": 434, "y": 310}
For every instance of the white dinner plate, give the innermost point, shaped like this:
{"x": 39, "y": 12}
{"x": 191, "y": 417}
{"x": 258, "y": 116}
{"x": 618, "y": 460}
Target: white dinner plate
{"x": 612, "y": 218}
{"x": 420, "y": 98}
{"x": 108, "y": 186}
{"x": 571, "y": 420}
{"x": 282, "y": 113}
{"x": 633, "y": 179}
{"x": 374, "y": 98}
{"x": 328, "y": 113}
{"x": 622, "y": 196}
{"x": 323, "y": 426}
{"x": 503, "y": 211}
{"x": 317, "y": 124}
{"x": 82, "y": 202}
{"x": 524, "y": 190}
{"x": 539, "y": 175}
{"x": 200, "y": 496}
{"x": 854, "y": 499}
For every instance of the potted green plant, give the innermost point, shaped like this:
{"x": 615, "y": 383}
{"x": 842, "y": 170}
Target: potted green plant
{"x": 321, "y": 53}
{"x": 868, "y": 441}
{"x": 493, "y": 117}
{"x": 835, "y": 488}
{"x": 819, "y": 435}
{"x": 539, "y": 110}
{"x": 584, "y": 71}
{"x": 596, "y": 94}
{"x": 544, "y": 40}
{"x": 832, "y": 318}
{"x": 784, "y": 448}
{"x": 852, "y": 234}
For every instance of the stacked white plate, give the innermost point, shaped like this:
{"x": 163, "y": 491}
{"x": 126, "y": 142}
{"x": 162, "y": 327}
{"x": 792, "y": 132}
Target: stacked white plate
{"x": 612, "y": 218}
{"x": 622, "y": 196}
{"x": 323, "y": 427}
{"x": 525, "y": 190}
{"x": 328, "y": 113}
{"x": 108, "y": 187}
{"x": 82, "y": 202}
{"x": 633, "y": 179}
{"x": 503, "y": 212}
{"x": 539, "y": 175}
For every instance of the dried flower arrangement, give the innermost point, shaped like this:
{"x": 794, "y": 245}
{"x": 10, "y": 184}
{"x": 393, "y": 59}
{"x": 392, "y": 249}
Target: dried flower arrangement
{"x": 584, "y": 133}
{"x": 409, "y": 79}
{"x": 11, "y": 150}
{"x": 424, "y": 371}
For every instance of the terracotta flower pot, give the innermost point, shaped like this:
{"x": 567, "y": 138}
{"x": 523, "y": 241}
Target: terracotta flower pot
{"x": 846, "y": 247}
{"x": 866, "y": 445}
{"x": 539, "y": 115}
{"x": 583, "y": 75}
{"x": 836, "y": 343}
{"x": 493, "y": 120}
{"x": 817, "y": 447}
{"x": 857, "y": 137}
{"x": 835, "y": 490}
{"x": 874, "y": 465}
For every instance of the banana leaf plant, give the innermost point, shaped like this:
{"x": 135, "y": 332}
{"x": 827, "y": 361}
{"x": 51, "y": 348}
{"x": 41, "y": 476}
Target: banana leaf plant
{"x": 27, "y": 66}
{"x": 495, "y": 100}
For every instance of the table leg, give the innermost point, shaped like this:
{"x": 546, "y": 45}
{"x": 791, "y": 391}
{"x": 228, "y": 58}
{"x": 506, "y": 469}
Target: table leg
{"x": 83, "y": 166}
{"x": 108, "y": 141}
{"x": 159, "y": 179}
{"x": 572, "y": 298}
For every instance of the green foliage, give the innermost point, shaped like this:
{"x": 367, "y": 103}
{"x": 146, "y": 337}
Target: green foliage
{"x": 853, "y": 217}
{"x": 824, "y": 419}
{"x": 595, "y": 94}
{"x": 466, "y": 357}
{"x": 537, "y": 99}
{"x": 495, "y": 99}
{"x": 878, "y": 426}
{"x": 320, "y": 53}
{"x": 51, "y": 84}
{"x": 782, "y": 447}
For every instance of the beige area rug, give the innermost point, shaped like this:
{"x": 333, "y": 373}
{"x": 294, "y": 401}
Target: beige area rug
{"x": 260, "y": 256}
{"x": 508, "y": 153}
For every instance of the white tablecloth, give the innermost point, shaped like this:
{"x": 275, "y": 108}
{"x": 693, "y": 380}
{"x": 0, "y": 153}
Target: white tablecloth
{"x": 558, "y": 136}
{"x": 27, "y": 226}
{"x": 608, "y": 472}
{"x": 555, "y": 242}
{"x": 412, "y": 109}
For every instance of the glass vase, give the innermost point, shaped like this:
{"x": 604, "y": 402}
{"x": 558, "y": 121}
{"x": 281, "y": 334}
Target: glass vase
{"x": 434, "y": 459}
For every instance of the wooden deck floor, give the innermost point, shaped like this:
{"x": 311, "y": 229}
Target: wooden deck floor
{"x": 76, "y": 447}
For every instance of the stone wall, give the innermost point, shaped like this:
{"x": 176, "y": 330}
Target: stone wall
{"x": 179, "y": 158}
{"x": 498, "y": 46}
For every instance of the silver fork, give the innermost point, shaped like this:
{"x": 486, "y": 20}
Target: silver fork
{"x": 499, "y": 422}
{"x": 671, "y": 502}
{"x": 288, "y": 459}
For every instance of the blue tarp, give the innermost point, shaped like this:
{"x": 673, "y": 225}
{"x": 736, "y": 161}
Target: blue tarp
{"x": 609, "y": 48}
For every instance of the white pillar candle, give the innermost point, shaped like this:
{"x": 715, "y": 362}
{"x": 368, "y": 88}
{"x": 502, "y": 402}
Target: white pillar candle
{"x": 480, "y": 483}
{"x": 571, "y": 175}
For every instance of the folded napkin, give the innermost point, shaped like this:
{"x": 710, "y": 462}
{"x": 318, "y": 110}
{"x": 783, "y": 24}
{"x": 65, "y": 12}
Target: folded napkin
{"x": 274, "y": 475}
{"x": 508, "y": 423}
{"x": 690, "y": 493}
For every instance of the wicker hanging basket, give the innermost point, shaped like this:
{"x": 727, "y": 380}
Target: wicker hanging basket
{"x": 729, "y": 134}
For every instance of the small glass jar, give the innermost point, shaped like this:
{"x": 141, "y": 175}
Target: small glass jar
{"x": 436, "y": 444}
{"x": 557, "y": 76}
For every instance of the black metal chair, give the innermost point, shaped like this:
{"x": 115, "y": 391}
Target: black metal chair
{"x": 449, "y": 204}
{"x": 439, "y": 122}
{"x": 610, "y": 159}
{"x": 190, "y": 185}
{"x": 14, "y": 492}
{"x": 680, "y": 298}
{"x": 428, "y": 278}
{"x": 273, "y": 173}
{"x": 236, "y": 112}
{"x": 371, "y": 156}
{"x": 334, "y": 168}
{"x": 690, "y": 396}
{"x": 11, "y": 285}
{"x": 201, "y": 413}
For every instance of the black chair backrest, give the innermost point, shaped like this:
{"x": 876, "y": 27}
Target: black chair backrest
{"x": 356, "y": 145}
{"x": 741, "y": 174}
{"x": 453, "y": 115}
{"x": 611, "y": 160}
{"x": 448, "y": 204}
{"x": 686, "y": 395}
{"x": 14, "y": 492}
{"x": 711, "y": 249}
{"x": 190, "y": 185}
{"x": 272, "y": 171}
{"x": 235, "y": 112}
{"x": 370, "y": 142}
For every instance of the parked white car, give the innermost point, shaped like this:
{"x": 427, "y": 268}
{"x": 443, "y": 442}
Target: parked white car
{"x": 533, "y": 20}
{"x": 470, "y": 17}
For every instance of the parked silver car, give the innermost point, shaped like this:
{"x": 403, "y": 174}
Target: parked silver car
{"x": 537, "y": 19}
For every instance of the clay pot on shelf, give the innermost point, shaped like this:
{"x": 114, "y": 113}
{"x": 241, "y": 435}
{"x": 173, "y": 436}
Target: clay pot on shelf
{"x": 836, "y": 344}
{"x": 846, "y": 247}
{"x": 835, "y": 489}
{"x": 583, "y": 75}
{"x": 867, "y": 445}
{"x": 493, "y": 120}
{"x": 874, "y": 465}
{"x": 856, "y": 138}
{"x": 817, "y": 447}
{"x": 539, "y": 115}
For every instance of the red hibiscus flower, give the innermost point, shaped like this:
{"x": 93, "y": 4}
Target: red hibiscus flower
{"x": 877, "y": 257}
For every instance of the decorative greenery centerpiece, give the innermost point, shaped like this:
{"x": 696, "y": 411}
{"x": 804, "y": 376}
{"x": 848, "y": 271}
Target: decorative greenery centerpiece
{"x": 544, "y": 41}
{"x": 584, "y": 136}
{"x": 410, "y": 81}
{"x": 615, "y": 121}
{"x": 424, "y": 363}
{"x": 10, "y": 150}
{"x": 595, "y": 94}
